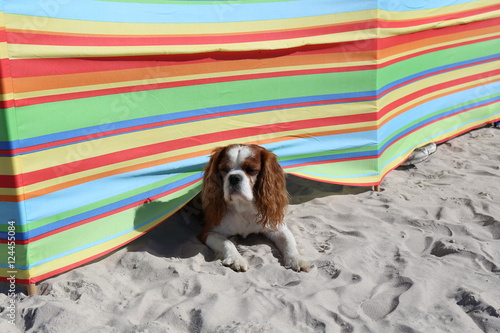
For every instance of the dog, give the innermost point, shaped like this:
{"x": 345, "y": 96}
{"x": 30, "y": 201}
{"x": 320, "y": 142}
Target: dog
{"x": 244, "y": 192}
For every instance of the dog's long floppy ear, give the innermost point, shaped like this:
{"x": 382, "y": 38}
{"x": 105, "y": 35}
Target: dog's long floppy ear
{"x": 270, "y": 191}
{"x": 212, "y": 193}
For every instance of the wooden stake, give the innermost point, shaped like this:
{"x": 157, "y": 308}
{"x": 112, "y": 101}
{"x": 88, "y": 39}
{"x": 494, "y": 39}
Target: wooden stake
{"x": 32, "y": 289}
{"x": 376, "y": 188}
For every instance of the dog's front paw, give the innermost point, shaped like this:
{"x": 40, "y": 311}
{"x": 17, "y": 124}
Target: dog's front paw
{"x": 297, "y": 263}
{"x": 236, "y": 263}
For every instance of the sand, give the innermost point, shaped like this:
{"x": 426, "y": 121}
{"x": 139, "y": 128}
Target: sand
{"x": 423, "y": 255}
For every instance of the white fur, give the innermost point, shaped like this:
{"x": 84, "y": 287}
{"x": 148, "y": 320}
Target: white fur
{"x": 240, "y": 219}
{"x": 238, "y": 155}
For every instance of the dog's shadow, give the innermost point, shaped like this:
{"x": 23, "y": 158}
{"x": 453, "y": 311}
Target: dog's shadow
{"x": 302, "y": 190}
{"x": 177, "y": 236}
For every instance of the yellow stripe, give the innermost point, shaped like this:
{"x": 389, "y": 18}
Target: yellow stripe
{"x": 335, "y": 179}
{"x": 18, "y": 22}
{"x": 20, "y": 273}
{"x": 24, "y": 51}
{"x": 388, "y": 32}
{"x": 4, "y": 52}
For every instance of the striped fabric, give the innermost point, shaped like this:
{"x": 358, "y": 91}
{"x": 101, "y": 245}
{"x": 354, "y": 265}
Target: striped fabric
{"x": 110, "y": 108}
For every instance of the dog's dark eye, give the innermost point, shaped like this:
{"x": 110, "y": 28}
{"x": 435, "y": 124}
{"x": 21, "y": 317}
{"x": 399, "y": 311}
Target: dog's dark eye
{"x": 251, "y": 171}
{"x": 224, "y": 170}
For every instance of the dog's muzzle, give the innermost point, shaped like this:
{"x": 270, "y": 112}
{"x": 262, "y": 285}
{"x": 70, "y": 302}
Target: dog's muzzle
{"x": 235, "y": 180}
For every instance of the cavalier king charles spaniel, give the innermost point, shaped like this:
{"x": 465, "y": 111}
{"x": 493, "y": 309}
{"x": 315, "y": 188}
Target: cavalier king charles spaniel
{"x": 244, "y": 192}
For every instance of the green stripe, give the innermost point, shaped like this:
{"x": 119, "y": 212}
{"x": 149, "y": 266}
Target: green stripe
{"x": 8, "y": 125}
{"x": 103, "y": 110}
{"x": 428, "y": 61}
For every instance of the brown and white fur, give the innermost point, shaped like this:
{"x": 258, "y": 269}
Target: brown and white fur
{"x": 244, "y": 192}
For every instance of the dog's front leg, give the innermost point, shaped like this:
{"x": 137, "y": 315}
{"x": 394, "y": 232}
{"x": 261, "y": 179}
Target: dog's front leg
{"x": 226, "y": 251}
{"x": 285, "y": 242}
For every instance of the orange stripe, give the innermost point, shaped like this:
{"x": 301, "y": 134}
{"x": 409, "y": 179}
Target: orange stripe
{"x": 6, "y": 85}
{"x": 29, "y": 84}
{"x": 423, "y": 43}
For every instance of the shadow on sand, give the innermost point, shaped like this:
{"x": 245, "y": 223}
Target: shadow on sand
{"x": 177, "y": 236}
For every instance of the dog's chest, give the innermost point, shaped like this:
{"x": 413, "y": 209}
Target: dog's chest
{"x": 240, "y": 220}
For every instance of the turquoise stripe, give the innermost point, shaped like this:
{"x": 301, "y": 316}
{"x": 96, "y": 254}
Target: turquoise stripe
{"x": 101, "y": 189}
{"x": 435, "y": 135}
{"x": 212, "y": 12}
{"x": 410, "y": 5}
{"x": 361, "y": 175}
{"x": 179, "y": 13}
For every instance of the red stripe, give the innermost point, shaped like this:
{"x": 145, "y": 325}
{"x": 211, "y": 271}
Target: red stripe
{"x": 6, "y": 105}
{"x": 61, "y": 66}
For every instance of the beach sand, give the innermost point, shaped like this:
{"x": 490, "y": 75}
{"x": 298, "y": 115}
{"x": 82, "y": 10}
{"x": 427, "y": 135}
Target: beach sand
{"x": 423, "y": 255}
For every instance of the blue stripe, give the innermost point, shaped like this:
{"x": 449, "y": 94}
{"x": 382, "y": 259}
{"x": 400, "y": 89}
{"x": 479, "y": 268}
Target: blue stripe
{"x": 405, "y": 6}
{"x": 103, "y": 11}
{"x": 315, "y": 174}
{"x": 95, "y": 132}
{"x": 12, "y": 211}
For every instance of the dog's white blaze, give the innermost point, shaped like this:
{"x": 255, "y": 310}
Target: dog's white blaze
{"x": 237, "y": 155}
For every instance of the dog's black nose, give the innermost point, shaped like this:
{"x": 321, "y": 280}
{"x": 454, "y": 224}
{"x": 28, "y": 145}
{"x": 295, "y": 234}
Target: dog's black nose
{"x": 234, "y": 179}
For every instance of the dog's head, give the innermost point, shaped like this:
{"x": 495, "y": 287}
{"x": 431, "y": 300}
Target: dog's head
{"x": 239, "y": 174}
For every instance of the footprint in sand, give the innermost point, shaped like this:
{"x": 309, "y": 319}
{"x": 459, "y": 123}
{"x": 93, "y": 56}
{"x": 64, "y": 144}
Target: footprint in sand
{"x": 386, "y": 298}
